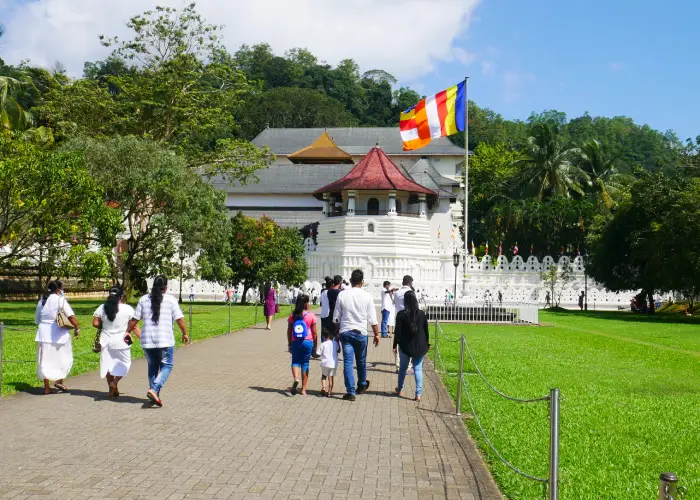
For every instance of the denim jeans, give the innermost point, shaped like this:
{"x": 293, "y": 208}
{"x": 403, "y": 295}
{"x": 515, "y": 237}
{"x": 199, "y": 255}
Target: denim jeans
{"x": 385, "y": 322}
{"x": 354, "y": 349}
{"x": 160, "y": 364}
{"x": 417, "y": 370}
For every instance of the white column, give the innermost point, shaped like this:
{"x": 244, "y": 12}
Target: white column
{"x": 351, "y": 204}
{"x": 326, "y": 205}
{"x": 392, "y": 203}
{"x": 423, "y": 206}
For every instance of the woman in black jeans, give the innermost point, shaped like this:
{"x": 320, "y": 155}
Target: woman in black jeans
{"x": 411, "y": 338}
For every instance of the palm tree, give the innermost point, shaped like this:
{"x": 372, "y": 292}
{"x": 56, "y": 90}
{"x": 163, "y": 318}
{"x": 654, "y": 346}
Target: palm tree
{"x": 548, "y": 168}
{"x": 12, "y": 115}
{"x": 605, "y": 180}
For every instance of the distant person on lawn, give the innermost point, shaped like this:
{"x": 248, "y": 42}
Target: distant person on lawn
{"x": 54, "y": 349}
{"x": 580, "y": 300}
{"x": 301, "y": 338}
{"x": 353, "y": 310}
{"x": 269, "y": 304}
{"x": 159, "y": 312}
{"x": 411, "y": 342}
{"x": 112, "y": 318}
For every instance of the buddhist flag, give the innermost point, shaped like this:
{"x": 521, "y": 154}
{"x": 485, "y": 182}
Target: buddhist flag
{"x": 500, "y": 249}
{"x": 453, "y": 233}
{"x": 436, "y": 116}
{"x": 487, "y": 248}
{"x": 515, "y": 249}
{"x": 439, "y": 232}
{"x": 473, "y": 248}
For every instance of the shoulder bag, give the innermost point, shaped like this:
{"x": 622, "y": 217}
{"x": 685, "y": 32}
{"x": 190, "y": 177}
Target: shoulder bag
{"x": 61, "y": 317}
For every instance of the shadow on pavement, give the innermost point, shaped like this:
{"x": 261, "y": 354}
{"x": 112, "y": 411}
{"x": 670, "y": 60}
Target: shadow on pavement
{"x": 283, "y": 392}
{"x": 104, "y": 396}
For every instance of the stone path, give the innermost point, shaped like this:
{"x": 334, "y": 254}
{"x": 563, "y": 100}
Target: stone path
{"x": 230, "y": 430}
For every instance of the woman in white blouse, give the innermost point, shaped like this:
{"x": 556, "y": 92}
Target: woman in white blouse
{"x": 115, "y": 355}
{"x": 54, "y": 350}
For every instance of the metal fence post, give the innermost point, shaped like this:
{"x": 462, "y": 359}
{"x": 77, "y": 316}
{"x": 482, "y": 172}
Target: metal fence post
{"x": 229, "y": 316}
{"x": 190, "y": 318}
{"x": 668, "y": 486}
{"x": 460, "y": 379}
{"x": 256, "y": 312}
{"x": 435, "y": 353}
{"x": 553, "y": 444}
{"x": 2, "y": 336}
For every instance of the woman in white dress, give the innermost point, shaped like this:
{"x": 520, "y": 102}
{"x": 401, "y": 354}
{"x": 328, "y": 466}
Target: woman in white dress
{"x": 115, "y": 355}
{"x": 54, "y": 349}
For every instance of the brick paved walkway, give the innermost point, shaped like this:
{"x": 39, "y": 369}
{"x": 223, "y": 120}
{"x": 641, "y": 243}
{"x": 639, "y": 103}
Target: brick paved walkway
{"x": 229, "y": 430}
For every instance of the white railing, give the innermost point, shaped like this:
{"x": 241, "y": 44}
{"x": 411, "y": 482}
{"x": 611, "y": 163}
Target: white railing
{"x": 510, "y": 314}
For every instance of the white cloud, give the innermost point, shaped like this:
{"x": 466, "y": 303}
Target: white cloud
{"x": 463, "y": 56}
{"x": 488, "y": 68}
{"x": 615, "y": 66}
{"x": 404, "y": 37}
{"x": 513, "y": 83}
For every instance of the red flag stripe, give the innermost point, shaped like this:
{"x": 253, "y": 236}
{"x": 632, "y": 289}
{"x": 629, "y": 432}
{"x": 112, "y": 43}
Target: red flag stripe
{"x": 441, "y": 101}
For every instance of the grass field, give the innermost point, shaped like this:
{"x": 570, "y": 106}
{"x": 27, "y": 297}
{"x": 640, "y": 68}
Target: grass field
{"x": 630, "y": 401}
{"x": 19, "y": 348}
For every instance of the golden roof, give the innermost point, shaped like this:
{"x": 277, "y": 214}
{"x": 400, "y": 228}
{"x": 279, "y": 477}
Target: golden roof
{"x": 322, "y": 150}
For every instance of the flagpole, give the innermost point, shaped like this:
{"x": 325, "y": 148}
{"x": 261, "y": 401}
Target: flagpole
{"x": 466, "y": 174}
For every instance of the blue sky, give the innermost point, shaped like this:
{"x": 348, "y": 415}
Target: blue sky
{"x": 614, "y": 57}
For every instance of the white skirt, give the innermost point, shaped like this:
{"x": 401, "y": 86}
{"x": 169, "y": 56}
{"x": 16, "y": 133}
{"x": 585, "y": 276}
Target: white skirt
{"x": 53, "y": 361}
{"x": 115, "y": 361}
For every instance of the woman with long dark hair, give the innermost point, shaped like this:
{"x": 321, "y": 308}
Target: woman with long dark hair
{"x": 269, "y": 306}
{"x": 411, "y": 342}
{"x": 159, "y": 312}
{"x": 301, "y": 338}
{"x": 112, "y": 318}
{"x": 54, "y": 349}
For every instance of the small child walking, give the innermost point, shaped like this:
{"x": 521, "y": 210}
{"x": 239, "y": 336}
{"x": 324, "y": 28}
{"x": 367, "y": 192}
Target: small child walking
{"x": 329, "y": 361}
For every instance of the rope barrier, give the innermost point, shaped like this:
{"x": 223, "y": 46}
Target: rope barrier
{"x": 550, "y": 483}
{"x": 488, "y": 441}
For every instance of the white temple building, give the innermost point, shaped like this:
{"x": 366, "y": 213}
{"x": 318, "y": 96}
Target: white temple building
{"x": 360, "y": 201}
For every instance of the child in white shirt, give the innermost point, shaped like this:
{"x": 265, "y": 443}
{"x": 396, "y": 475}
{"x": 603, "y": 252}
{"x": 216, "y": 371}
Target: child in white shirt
{"x": 329, "y": 361}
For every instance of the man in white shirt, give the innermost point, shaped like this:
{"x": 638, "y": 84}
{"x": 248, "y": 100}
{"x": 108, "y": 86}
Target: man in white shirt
{"x": 407, "y": 286}
{"x": 353, "y": 310}
{"x": 387, "y": 307}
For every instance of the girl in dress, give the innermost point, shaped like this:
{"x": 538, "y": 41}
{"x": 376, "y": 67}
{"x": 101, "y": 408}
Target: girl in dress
{"x": 54, "y": 349}
{"x": 115, "y": 356}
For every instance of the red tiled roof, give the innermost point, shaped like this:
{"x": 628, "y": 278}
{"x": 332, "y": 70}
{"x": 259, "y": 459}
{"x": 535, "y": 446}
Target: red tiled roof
{"x": 375, "y": 172}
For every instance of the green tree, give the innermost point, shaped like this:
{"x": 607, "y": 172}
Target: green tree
{"x": 555, "y": 279}
{"x": 547, "y": 167}
{"x": 643, "y": 245}
{"x": 261, "y": 251}
{"x": 291, "y": 107}
{"x": 50, "y": 203}
{"x": 605, "y": 180}
{"x": 178, "y": 96}
{"x": 162, "y": 205}
{"x": 12, "y": 115}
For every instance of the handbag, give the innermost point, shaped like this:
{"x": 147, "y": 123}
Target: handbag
{"x": 277, "y": 308}
{"x": 96, "y": 346}
{"x": 62, "y": 318}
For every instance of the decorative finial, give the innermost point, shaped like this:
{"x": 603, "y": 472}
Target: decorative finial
{"x": 377, "y": 143}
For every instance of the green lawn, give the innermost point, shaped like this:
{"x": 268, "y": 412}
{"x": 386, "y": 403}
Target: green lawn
{"x": 630, "y": 401}
{"x": 19, "y": 351}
